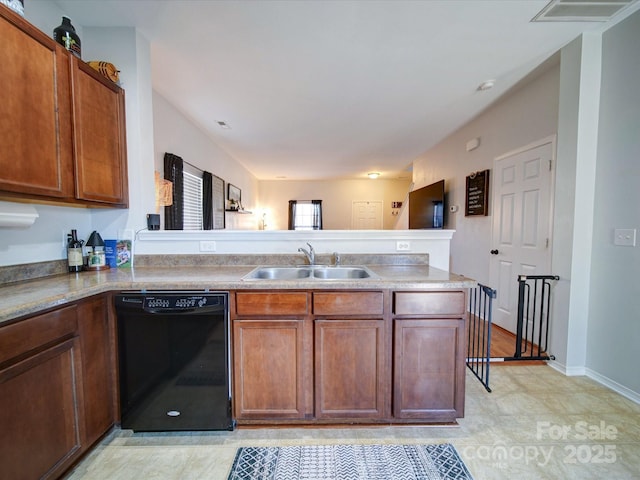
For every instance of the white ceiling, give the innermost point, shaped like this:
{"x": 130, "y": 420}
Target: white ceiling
{"x": 333, "y": 89}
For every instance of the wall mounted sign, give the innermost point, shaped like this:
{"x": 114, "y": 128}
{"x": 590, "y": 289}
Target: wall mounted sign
{"x": 477, "y": 198}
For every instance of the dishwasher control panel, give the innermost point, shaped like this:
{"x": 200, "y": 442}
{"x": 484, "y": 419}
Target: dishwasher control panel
{"x": 171, "y": 301}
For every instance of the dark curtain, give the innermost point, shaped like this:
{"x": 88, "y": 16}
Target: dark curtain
{"x": 292, "y": 214}
{"x": 207, "y": 201}
{"x": 173, "y": 171}
{"x": 317, "y": 214}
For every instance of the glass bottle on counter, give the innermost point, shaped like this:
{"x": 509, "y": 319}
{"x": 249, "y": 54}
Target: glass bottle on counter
{"x": 74, "y": 252}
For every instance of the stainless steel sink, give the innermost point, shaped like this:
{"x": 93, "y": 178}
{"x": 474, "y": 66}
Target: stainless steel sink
{"x": 310, "y": 272}
{"x": 278, "y": 273}
{"x": 341, "y": 273}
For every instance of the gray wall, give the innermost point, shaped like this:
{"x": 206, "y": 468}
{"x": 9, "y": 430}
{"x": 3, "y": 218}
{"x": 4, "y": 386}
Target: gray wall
{"x": 614, "y": 307}
{"x": 527, "y": 114}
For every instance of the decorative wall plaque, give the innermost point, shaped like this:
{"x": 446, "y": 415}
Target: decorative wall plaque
{"x": 477, "y": 194}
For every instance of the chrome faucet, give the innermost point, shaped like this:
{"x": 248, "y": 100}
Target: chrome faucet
{"x": 310, "y": 254}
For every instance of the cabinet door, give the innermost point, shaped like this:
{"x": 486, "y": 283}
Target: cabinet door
{"x": 99, "y": 137}
{"x": 40, "y": 431}
{"x": 35, "y": 112}
{"x": 429, "y": 368}
{"x": 350, "y": 370}
{"x": 97, "y": 368}
{"x": 270, "y": 369}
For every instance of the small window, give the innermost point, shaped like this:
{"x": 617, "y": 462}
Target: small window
{"x": 192, "y": 208}
{"x": 305, "y": 214}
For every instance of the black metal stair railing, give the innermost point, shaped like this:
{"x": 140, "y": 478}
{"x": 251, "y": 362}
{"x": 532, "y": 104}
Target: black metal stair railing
{"x": 479, "y": 332}
{"x": 532, "y": 330}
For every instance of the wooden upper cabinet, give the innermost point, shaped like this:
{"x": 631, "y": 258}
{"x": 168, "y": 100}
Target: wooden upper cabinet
{"x": 35, "y": 118}
{"x": 99, "y": 137}
{"x": 62, "y": 124}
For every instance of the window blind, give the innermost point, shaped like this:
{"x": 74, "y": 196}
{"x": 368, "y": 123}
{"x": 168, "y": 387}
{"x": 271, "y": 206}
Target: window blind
{"x": 192, "y": 209}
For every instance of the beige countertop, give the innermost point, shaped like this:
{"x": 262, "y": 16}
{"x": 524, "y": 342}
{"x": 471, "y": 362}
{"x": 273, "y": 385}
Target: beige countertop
{"x": 31, "y": 296}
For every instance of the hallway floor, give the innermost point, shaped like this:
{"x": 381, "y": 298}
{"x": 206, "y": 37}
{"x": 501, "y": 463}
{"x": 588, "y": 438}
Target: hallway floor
{"x": 536, "y": 424}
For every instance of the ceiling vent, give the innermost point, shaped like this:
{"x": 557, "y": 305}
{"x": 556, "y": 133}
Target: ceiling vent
{"x": 581, "y": 10}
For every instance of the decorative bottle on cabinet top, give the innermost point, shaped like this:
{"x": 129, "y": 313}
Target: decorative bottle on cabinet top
{"x": 65, "y": 34}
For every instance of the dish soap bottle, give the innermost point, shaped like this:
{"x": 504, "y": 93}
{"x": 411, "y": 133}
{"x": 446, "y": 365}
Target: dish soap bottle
{"x": 74, "y": 252}
{"x": 65, "y": 34}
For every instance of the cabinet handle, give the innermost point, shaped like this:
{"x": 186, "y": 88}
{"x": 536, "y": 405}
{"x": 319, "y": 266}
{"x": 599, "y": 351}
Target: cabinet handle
{"x": 494, "y": 252}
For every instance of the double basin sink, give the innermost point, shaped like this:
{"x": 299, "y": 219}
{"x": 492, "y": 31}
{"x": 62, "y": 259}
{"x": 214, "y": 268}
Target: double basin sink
{"x": 310, "y": 272}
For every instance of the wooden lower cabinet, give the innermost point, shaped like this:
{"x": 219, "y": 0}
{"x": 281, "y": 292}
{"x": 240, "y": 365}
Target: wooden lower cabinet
{"x": 347, "y": 356}
{"x": 429, "y": 363}
{"x": 98, "y": 367}
{"x": 350, "y": 380}
{"x": 40, "y": 406}
{"x": 429, "y": 368}
{"x": 270, "y": 374}
{"x": 56, "y": 388}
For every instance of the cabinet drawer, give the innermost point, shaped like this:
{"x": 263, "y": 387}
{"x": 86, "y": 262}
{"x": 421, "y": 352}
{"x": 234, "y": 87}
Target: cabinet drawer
{"x": 270, "y": 303}
{"x": 34, "y": 332}
{"x": 430, "y": 303}
{"x": 348, "y": 303}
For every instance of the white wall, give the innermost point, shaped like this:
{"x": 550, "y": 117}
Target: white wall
{"x": 520, "y": 118}
{"x": 337, "y": 199}
{"x": 175, "y": 133}
{"x": 434, "y": 242}
{"x": 614, "y": 306}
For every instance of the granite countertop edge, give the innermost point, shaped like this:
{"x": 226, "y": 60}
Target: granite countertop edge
{"x": 32, "y": 296}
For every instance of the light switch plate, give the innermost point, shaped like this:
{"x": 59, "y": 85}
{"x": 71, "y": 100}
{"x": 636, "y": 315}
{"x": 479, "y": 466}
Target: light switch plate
{"x": 624, "y": 237}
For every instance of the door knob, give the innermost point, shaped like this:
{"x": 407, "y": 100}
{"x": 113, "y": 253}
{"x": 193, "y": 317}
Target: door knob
{"x": 494, "y": 252}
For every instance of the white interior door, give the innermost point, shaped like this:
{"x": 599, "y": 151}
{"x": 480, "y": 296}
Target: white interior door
{"x": 366, "y": 215}
{"x": 521, "y": 237}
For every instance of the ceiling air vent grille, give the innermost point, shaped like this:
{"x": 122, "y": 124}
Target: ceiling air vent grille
{"x": 581, "y": 10}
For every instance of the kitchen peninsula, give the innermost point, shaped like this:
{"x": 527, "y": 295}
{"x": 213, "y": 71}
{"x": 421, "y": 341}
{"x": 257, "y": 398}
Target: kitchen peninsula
{"x": 380, "y": 350}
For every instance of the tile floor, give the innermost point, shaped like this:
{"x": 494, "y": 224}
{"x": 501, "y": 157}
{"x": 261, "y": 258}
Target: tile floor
{"x": 536, "y": 424}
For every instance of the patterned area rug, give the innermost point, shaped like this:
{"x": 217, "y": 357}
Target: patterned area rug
{"x": 349, "y": 462}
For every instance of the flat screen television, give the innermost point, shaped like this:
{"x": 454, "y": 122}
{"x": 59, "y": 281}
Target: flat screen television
{"x": 426, "y": 206}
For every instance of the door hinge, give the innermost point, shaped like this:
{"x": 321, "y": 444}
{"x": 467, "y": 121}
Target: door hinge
{"x": 546, "y": 244}
{"x": 550, "y": 164}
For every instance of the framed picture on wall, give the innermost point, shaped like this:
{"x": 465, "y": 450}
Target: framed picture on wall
{"x": 234, "y": 197}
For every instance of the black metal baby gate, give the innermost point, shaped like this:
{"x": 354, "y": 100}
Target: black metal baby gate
{"x": 479, "y": 332}
{"x": 532, "y": 330}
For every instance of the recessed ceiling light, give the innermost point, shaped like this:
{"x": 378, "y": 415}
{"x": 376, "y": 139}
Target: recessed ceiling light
{"x": 373, "y": 175}
{"x": 486, "y": 85}
{"x": 224, "y": 125}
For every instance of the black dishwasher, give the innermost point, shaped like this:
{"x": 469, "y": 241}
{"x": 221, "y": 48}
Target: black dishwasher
{"x": 173, "y": 356}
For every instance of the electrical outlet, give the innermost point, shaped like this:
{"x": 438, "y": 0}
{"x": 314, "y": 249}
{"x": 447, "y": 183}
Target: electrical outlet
{"x": 624, "y": 237}
{"x": 207, "y": 246}
{"x": 403, "y": 245}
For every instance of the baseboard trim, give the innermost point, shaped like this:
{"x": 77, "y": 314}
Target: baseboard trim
{"x": 593, "y": 375}
{"x": 613, "y": 385}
